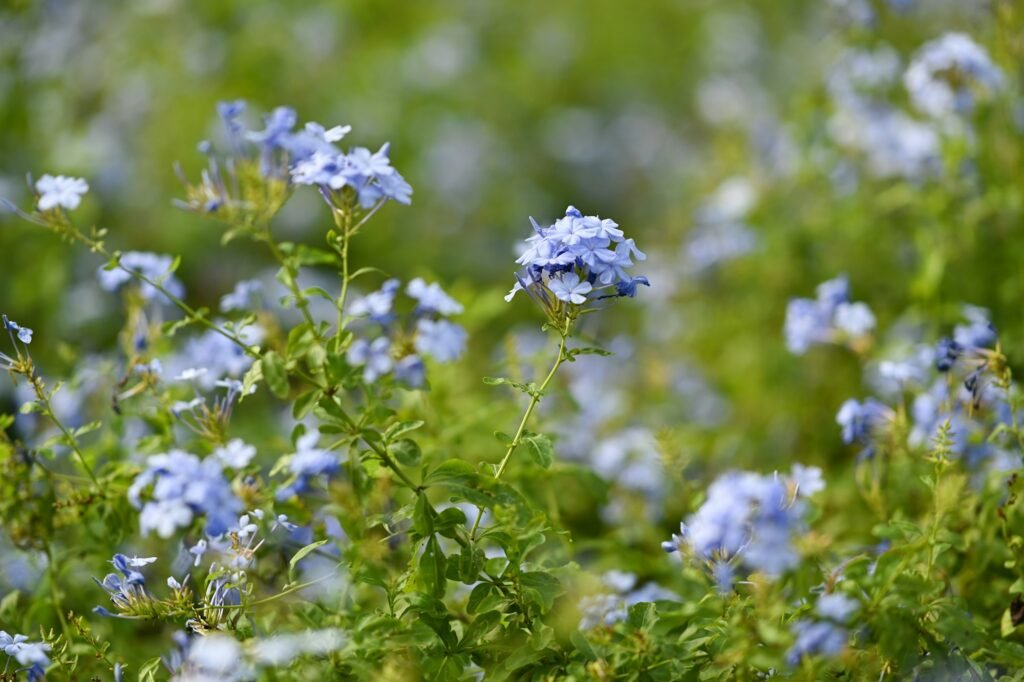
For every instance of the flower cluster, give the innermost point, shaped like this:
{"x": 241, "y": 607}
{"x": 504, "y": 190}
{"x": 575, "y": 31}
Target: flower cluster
{"x": 891, "y": 142}
{"x": 861, "y": 422}
{"x": 748, "y": 519}
{"x": 33, "y": 656}
{"x": 949, "y": 74}
{"x": 180, "y": 487}
{"x": 286, "y": 156}
{"x": 128, "y": 590}
{"x": 826, "y": 635}
{"x": 369, "y": 174}
{"x": 309, "y": 462}
{"x": 831, "y": 318}
{"x": 577, "y": 259}
{"x": 404, "y": 339}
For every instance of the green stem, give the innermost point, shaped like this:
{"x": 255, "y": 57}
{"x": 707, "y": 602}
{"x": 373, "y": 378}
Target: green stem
{"x": 534, "y": 399}
{"x": 293, "y": 286}
{"x": 51, "y": 561}
{"x": 391, "y": 464}
{"x": 344, "y": 221}
{"x": 44, "y": 400}
{"x": 97, "y": 247}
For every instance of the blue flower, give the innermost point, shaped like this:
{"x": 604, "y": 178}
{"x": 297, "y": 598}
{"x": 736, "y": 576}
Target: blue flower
{"x": 830, "y": 318}
{"x": 628, "y": 287}
{"x": 746, "y": 518}
{"x": 60, "y": 191}
{"x": 948, "y": 73}
{"x": 277, "y": 125}
{"x": 369, "y": 174}
{"x": 308, "y": 462}
{"x": 236, "y": 454}
{"x": 576, "y": 258}
{"x": 836, "y": 606}
{"x": 377, "y": 305}
{"x": 410, "y": 371}
{"x": 443, "y": 340}
{"x": 32, "y": 655}
{"x": 568, "y": 287}
{"x": 860, "y": 421}
{"x": 24, "y": 333}
{"x": 243, "y": 297}
{"x": 432, "y": 299}
{"x": 813, "y": 638}
{"x": 178, "y": 486}
{"x": 374, "y": 357}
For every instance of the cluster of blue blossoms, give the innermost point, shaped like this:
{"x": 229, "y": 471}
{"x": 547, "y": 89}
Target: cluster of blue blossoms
{"x": 128, "y": 590}
{"x": 31, "y": 655}
{"x": 830, "y": 318}
{"x": 826, "y": 634}
{"x": 949, "y": 74}
{"x": 748, "y": 519}
{"x": 304, "y": 156}
{"x": 954, "y": 393}
{"x": 577, "y": 259}
{"x": 406, "y": 338}
{"x": 180, "y": 487}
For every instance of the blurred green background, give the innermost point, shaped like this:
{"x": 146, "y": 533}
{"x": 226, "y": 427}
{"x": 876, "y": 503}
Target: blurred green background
{"x": 501, "y": 110}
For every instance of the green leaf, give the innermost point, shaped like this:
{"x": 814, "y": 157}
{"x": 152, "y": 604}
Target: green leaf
{"x": 449, "y": 520}
{"x": 480, "y": 626}
{"x": 423, "y": 516}
{"x": 9, "y": 603}
{"x": 406, "y": 451}
{"x": 401, "y": 428}
{"x": 302, "y": 554}
{"x": 318, "y": 292}
{"x": 273, "y": 371}
{"x": 316, "y": 357}
{"x": 304, "y": 403}
{"x": 471, "y": 562}
{"x": 643, "y": 616}
{"x": 582, "y": 645}
{"x": 451, "y": 471}
{"x": 483, "y": 598}
{"x": 573, "y": 352}
{"x": 432, "y": 566}
{"x": 330, "y": 411}
{"x": 252, "y": 377}
{"x": 540, "y": 588}
{"x": 529, "y": 389}
{"x": 1006, "y": 625}
{"x": 540, "y": 448}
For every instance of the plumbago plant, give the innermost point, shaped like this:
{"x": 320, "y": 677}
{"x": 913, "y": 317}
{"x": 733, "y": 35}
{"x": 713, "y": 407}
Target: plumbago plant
{"x": 369, "y": 540}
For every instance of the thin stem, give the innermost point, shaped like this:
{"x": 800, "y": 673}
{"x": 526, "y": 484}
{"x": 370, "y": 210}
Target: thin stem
{"x": 44, "y": 400}
{"x": 344, "y": 222}
{"x": 97, "y": 247}
{"x": 391, "y": 464}
{"x": 534, "y": 399}
{"x": 54, "y": 593}
{"x": 300, "y": 301}
{"x": 191, "y": 312}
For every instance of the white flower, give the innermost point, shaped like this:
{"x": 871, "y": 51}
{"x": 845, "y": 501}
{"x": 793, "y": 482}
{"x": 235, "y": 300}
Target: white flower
{"x": 60, "y": 191}
{"x": 236, "y": 454}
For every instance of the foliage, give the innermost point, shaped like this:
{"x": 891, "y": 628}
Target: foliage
{"x": 303, "y": 476}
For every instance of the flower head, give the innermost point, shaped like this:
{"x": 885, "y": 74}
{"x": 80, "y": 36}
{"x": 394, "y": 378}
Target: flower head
{"x": 577, "y": 259}
{"x": 948, "y": 75}
{"x": 60, "y": 191}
